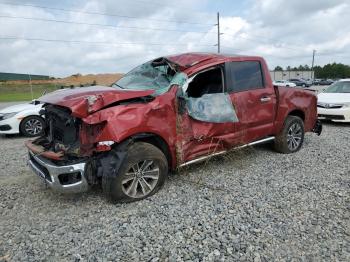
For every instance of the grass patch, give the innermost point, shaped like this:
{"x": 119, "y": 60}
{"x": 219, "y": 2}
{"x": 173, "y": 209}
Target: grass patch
{"x": 11, "y": 97}
{"x": 21, "y": 92}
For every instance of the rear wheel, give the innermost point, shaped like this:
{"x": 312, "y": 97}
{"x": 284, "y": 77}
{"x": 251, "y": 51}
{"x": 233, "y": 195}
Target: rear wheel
{"x": 291, "y": 138}
{"x": 32, "y": 126}
{"x": 141, "y": 174}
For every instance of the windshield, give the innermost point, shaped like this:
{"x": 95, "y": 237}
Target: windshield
{"x": 339, "y": 87}
{"x": 156, "y": 75}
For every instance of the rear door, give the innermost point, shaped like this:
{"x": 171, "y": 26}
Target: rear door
{"x": 253, "y": 97}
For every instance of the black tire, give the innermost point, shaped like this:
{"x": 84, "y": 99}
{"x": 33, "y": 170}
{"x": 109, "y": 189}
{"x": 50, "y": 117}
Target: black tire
{"x": 32, "y": 126}
{"x": 114, "y": 186}
{"x": 293, "y": 126}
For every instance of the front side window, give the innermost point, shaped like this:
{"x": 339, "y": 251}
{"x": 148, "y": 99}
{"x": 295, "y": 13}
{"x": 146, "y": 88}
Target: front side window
{"x": 206, "y": 100}
{"x": 207, "y": 82}
{"x": 246, "y": 75}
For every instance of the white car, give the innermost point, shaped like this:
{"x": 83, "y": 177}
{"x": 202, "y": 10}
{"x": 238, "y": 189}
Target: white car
{"x": 23, "y": 118}
{"x": 284, "y": 83}
{"x": 334, "y": 102}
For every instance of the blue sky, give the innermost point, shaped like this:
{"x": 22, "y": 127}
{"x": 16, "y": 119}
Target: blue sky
{"x": 283, "y": 32}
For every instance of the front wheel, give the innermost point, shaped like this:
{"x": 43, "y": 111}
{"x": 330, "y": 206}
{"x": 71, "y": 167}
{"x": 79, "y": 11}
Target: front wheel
{"x": 32, "y": 126}
{"x": 141, "y": 174}
{"x": 291, "y": 137}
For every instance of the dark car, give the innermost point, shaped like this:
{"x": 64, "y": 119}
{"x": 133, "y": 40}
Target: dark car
{"x": 325, "y": 82}
{"x": 317, "y": 81}
{"x": 299, "y": 82}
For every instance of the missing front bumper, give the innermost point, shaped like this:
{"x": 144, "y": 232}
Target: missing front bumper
{"x": 64, "y": 179}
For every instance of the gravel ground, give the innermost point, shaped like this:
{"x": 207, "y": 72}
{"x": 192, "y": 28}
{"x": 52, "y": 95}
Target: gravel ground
{"x": 250, "y": 205}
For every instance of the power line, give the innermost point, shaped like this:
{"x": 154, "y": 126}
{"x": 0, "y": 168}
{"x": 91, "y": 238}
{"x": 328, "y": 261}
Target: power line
{"x": 126, "y": 27}
{"x": 105, "y": 14}
{"x": 170, "y": 5}
{"x": 102, "y": 25}
{"x": 133, "y": 27}
{"x": 95, "y": 42}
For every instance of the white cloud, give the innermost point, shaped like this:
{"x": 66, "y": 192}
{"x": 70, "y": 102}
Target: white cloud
{"x": 284, "y": 32}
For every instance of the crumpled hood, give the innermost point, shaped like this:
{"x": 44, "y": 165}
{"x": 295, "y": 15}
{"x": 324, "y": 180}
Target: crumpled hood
{"x": 86, "y": 100}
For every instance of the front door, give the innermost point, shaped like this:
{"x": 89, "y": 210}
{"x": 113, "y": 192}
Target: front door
{"x": 208, "y": 122}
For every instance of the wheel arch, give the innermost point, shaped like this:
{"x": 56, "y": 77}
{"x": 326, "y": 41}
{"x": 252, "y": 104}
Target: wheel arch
{"x": 31, "y": 115}
{"x": 157, "y": 141}
{"x": 297, "y": 112}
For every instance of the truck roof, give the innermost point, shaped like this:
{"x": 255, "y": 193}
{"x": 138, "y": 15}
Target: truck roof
{"x": 188, "y": 60}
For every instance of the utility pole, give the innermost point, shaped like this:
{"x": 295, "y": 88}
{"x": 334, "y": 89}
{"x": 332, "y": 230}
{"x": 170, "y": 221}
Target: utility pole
{"x": 218, "y": 24}
{"x": 31, "y": 87}
{"x": 312, "y": 65}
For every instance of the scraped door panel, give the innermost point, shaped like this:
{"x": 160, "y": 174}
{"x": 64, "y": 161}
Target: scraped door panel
{"x": 255, "y": 109}
{"x": 209, "y": 125}
{"x": 254, "y": 100}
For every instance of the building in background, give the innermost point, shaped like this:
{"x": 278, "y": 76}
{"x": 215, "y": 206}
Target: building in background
{"x": 289, "y": 74}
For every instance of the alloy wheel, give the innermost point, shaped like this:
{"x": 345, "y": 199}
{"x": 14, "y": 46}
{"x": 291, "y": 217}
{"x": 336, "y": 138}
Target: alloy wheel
{"x": 141, "y": 179}
{"x": 294, "y": 136}
{"x": 33, "y": 127}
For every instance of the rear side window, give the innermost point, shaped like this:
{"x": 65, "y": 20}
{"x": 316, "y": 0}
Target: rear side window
{"x": 246, "y": 75}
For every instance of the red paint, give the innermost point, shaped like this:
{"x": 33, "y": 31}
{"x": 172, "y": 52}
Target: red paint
{"x": 185, "y": 137}
{"x": 76, "y": 99}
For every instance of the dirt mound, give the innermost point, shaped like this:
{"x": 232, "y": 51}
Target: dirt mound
{"x": 77, "y": 80}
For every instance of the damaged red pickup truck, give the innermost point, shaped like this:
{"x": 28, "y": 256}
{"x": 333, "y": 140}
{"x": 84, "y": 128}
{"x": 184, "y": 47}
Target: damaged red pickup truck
{"x": 165, "y": 114}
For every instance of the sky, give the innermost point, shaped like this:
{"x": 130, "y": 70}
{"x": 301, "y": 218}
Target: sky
{"x": 113, "y": 36}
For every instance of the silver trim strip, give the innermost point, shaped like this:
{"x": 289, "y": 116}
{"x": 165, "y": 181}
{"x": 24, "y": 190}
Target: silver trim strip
{"x": 223, "y": 152}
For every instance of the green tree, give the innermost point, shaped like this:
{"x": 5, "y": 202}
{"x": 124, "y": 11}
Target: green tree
{"x": 334, "y": 70}
{"x": 278, "y": 68}
{"x": 301, "y": 68}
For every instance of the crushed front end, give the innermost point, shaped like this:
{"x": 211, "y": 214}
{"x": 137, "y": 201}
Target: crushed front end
{"x": 57, "y": 156}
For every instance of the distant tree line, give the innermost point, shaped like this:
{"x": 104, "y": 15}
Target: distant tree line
{"x": 334, "y": 70}
{"x": 14, "y": 77}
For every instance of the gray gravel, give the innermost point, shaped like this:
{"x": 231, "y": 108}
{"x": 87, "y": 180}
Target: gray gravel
{"x": 253, "y": 205}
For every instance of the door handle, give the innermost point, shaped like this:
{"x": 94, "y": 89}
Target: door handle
{"x": 265, "y": 99}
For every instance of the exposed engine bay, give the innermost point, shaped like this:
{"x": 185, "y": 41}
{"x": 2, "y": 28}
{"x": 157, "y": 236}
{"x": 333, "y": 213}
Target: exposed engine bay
{"x": 61, "y": 132}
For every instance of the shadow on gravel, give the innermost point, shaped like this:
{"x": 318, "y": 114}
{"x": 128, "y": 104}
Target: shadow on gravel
{"x": 336, "y": 124}
{"x": 197, "y": 173}
{"x": 11, "y": 136}
{"x": 193, "y": 174}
